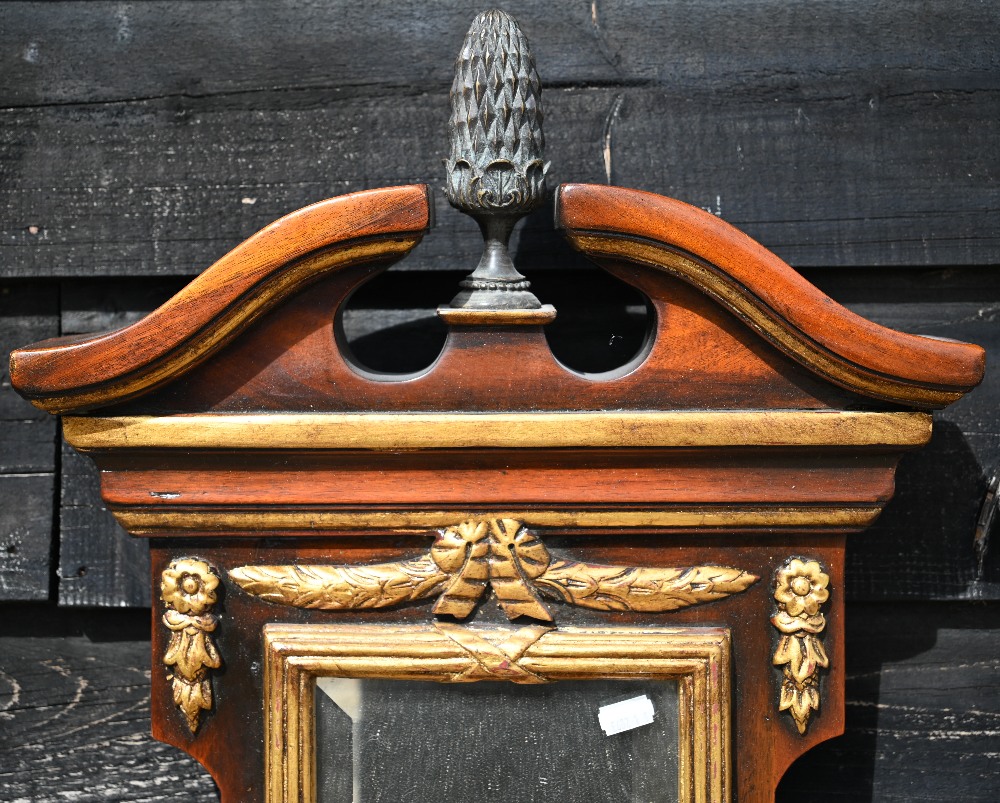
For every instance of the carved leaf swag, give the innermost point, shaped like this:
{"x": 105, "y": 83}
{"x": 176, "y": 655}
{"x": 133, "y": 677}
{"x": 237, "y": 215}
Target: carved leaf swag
{"x": 187, "y": 589}
{"x": 498, "y": 554}
{"x": 800, "y": 591}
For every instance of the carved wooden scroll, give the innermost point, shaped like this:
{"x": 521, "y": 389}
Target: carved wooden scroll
{"x": 500, "y": 554}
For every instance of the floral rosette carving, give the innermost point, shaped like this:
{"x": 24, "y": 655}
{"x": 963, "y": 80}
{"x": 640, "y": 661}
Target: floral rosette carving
{"x": 188, "y": 591}
{"x": 800, "y": 591}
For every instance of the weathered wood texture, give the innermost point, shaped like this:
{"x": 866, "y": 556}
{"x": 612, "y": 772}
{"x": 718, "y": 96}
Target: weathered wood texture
{"x": 99, "y": 563}
{"x": 149, "y": 139}
{"x": 74, "y": 713}
{"x": 922, "y": 546}
{"x": 922, "y": 711}
{"x": 28, "y": 450}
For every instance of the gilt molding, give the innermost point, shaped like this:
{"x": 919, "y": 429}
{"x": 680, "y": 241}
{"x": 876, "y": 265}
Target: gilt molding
{"x": 698, "y": 658}
{"x": 549, "y": 430}
{"x": 498, "y": 554}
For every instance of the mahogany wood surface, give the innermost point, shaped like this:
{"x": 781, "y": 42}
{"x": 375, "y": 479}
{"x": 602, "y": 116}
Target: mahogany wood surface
{"x": 716, "y": 344}
{"x": 740, "y": 332}
{"x": 75, "y": 373}
{"x": 293, "y": 361}
{"x": 616, "y": 223}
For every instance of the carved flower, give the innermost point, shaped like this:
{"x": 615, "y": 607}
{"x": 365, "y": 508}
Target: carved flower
{"x": 188, "y": 586}
{"x": 801, "y": 586}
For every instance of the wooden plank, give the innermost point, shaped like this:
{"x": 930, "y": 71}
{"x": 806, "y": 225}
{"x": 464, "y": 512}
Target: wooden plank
{"x": 923, "y": 712}
{"x": 99, "y": 564}
{"x": 27, "y": 450}
{"x": 837, "y": 134}
{"x": 74, "y": 719}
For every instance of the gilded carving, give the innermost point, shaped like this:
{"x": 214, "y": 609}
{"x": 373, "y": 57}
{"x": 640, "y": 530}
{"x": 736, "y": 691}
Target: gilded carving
{"x": 698, "y": 658}
{"x": 187, "y": 589}
{"x": 494, "y": 659}
{"x": 499, "y": 554}
{"x": 800, "y": 591}
{"x": 380, "y": 585}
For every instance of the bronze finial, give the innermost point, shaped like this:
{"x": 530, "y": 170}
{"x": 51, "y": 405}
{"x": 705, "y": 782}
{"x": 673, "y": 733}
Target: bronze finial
{"x": 496, "y": 170}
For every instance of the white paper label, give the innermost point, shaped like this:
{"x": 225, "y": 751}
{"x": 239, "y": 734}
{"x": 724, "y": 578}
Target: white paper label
{"x": 626, "y": 715}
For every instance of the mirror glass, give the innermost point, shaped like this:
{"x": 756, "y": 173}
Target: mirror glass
{"x": 384, "y": 741}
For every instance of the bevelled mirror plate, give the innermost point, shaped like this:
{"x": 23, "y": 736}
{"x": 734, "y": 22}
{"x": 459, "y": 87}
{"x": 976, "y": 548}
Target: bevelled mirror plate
{"x": 382, "y": 741}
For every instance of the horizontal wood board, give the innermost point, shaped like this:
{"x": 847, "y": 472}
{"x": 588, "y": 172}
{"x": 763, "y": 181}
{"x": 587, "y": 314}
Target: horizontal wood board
{"x": 28, "y": 453}
{"x": 922, "y": 711}
{"x": 149, "y": 139}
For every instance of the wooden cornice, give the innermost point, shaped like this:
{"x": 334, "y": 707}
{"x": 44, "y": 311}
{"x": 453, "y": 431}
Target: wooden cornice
{"x": 611, "y": 224}
{"x": 77, "y": 373}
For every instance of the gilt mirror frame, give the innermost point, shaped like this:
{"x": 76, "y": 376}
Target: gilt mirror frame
{"x": 297, "y": 654}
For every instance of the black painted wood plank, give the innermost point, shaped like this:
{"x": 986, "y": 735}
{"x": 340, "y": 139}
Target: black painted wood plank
{"x": 923, "y": 709}
{"x": 74, "y": 720}
{"x": 28, "y": 311}
{"x": 99, "y": 563}
{"x": 150, "y": 139}
{"x": 922, "y": 546}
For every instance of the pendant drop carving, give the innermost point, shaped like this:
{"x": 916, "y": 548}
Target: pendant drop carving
{"x": 800, "y": 589}
{"x": 187, "y": 589}
{"x": 498, "y": 554}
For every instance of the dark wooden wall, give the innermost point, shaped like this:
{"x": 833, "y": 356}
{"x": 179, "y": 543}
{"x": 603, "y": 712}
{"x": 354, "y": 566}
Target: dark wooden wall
{"x": 858, "y": 139}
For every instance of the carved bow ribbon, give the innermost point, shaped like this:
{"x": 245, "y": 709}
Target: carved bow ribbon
{"x": 499, "y": 553}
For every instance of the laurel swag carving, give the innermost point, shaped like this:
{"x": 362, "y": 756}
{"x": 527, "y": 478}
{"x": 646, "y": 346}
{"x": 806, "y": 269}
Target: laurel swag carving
{"x": 499, "y": 554}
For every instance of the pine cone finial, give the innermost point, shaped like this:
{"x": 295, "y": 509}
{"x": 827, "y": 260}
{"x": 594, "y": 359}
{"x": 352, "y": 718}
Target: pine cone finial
{"x": 497, "y": 145}
{"x": 496, "y": 168}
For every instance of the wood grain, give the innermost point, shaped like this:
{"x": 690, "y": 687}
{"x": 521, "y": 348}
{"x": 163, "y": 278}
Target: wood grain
{"x": 28, "y": 451}
{"x": 74, "y": 722}
{"x": 611, "y": 224}
{"x": 289, "y": 254}
{"x": 939, "y": 488}
{"x": 539, "y": 430}
{"x": 98, "y": 563}
{"x": 945, "y": 655}
{"x": 922, "y": 709}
